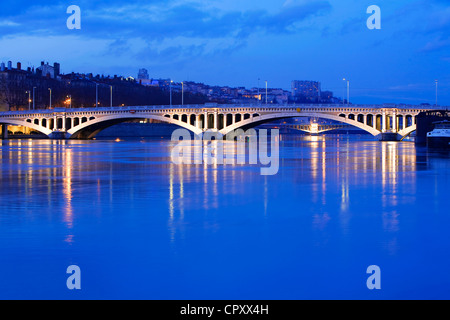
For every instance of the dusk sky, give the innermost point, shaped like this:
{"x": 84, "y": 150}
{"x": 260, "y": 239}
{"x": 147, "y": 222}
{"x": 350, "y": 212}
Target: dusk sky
{"x": 231, "y": 42}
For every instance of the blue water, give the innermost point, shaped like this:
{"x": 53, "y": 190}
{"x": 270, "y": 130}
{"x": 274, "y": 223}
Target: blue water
{"x": 141, "y": 227}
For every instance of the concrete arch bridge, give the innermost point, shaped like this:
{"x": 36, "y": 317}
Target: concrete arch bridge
{"x": 384, "y": 122}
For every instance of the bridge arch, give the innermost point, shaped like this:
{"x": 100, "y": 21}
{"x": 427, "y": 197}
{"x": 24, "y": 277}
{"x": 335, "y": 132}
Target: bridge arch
{"x": 91, "y": 128}
{"x": 252, "y": 122}
{"x": 33, "y": 126}
{"x": 407, "y": 131}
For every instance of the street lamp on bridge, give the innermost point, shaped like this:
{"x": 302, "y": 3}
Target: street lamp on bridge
{"x": 170, "y": 89}
{"x": 436, "y": 81}
{"x": 50, "y": 105}
{"x": 29, "y": 99}
{"x": 96, "y": 95}
{"x": 348, "y": 90}
{"x": 266, "y": 91}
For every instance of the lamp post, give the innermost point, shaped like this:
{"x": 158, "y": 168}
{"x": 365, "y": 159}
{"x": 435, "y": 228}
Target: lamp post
{"x": 182, "y": 93}
{"x": 170, "y": 89}
{"x": 348, "y": 90}
{"x": 110, "y": 98}
{"x": 436, "y": 81}
{"x": 96, "y": 95}
{"x": 29, "y": 99}
{"x": 266, "y": 91}
{"x": 50, "y": 105}
{"x": 34, "y": 105}
{"x": 70, "y": 101}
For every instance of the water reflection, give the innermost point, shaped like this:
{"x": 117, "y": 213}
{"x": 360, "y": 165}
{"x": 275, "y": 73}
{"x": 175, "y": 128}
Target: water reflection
{"x": 39, "y": 174}
{"x": 336, "y": 200}
{"x": 358, "y": 168}
{"x": 325, "y": 172}
{"x": 324, "y": 163}
{"x": 67, "y": 190}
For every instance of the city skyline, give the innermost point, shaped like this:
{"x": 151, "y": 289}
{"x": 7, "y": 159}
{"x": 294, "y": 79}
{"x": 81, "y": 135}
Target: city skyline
{"x": 15, "y": 80}
{"x": 235, "y": 44}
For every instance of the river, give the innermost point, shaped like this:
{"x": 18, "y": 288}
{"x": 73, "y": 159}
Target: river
{"x": 141, "y": 227}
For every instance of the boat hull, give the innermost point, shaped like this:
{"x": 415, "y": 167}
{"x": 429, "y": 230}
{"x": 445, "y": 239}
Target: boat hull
{"x": 438, "y": 142}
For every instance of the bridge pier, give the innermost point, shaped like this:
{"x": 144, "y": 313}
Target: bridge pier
{"x": 59, "y": 135}
{"x": 389, "y": 136}
{"x": 4, "y": 131}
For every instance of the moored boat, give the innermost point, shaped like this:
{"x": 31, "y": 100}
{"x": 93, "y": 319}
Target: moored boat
{"x": 440, "y": 136}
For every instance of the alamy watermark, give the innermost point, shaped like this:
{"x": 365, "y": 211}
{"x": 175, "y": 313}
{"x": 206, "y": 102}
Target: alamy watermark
{"x": 374, "y": 21}
{"x": 74, "y": 20}
{"x": 210, "y": 148}
{"x": 74, "y": 280}
{"x": 374, "y": 280}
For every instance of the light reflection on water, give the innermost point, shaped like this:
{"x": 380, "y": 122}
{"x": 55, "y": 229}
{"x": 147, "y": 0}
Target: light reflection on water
{"x": 338, "y": 204}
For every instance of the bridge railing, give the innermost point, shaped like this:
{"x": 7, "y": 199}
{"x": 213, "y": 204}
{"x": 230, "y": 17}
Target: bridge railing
{"x": 221, "y": 106}
{"x": 120, "y": 108}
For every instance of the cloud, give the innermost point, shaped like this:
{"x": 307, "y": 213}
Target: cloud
{"x": 407, "y": 87}
{"x": 6, "y": 23}
{"x": 436, "y": 44}
{"x": 171, "y": 20}
{"x": 158, "y": 31}
{"x": 427, "y": 22}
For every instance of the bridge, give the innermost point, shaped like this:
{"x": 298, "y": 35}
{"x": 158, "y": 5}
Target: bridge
{"x": 387, "y": 122}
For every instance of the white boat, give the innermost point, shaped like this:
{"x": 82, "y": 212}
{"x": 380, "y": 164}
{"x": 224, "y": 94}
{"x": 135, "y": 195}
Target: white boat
{"x": 440, "y": 136}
